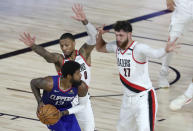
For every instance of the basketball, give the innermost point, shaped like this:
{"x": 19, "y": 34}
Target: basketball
{"x": 48, "y": 114}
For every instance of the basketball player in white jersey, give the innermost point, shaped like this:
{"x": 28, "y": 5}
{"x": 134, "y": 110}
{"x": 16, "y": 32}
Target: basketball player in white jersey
{"x": 139, "y": 103}
{"x": 181, "y": 17}
{"x": 82, "y": 56}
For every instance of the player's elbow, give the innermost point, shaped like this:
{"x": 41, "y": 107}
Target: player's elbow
{"x": 51, "y": 60}
{"x": 98, "y": 48}
{"x": 33, "y": 83}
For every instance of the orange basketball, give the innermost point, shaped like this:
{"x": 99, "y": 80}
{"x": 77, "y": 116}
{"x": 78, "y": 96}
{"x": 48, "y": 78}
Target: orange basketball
{"x": 49, "y": 114}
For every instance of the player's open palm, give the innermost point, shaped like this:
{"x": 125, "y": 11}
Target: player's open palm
{"x": 171, "y": 46}
{"x": 27, "y": 39}
{"x": 79, "y": 13}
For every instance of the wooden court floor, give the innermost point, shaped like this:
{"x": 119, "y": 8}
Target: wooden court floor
{"x": 47, "y": 20}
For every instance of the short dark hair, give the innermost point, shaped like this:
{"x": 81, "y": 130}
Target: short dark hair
{"x": 67, "y": 35}
{"x": 122, "y": 25}
{"x": 69, "y": 68}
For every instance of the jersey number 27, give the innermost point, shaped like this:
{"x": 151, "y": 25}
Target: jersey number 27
{"x": 127, "y": 72}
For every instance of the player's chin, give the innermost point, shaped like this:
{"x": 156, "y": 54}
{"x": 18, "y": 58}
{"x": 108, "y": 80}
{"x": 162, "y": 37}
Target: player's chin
{"x": 66, "y": 53}
{"x": 119, "y": 44}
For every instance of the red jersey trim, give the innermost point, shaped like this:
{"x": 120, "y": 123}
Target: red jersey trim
{"x": 136, "y": 87}
{"x": 127, "y": 48}
{"x": 135, "y": 59}
{"x": 59, "y": 72}
{"x": 61, "y": 89}
{"x": 152, "y": 109}
{"x": 84, "y": 59}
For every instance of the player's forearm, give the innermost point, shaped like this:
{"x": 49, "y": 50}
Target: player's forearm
{"x": 92, "y": 32}
{"x": 36, "y": 91}
{"x": 100, "y": 43}
{"x": 155, "y": 53}
{"x": 82, "y": 104}
{"x": 49, "y": 57}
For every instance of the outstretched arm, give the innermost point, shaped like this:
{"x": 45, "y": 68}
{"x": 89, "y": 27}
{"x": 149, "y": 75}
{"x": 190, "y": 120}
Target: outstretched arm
{"x": 28, "y": 40}
{"x": 86, "y": 48}
{"x": 142, "y": 52}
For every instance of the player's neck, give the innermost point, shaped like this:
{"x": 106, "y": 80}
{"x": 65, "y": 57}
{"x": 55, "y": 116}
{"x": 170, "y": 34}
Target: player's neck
{"x": 128, "y": 45}
{"x": 130, "y": 42}
{"x": 72, "y": 56}
{"x": 65, "y": 84}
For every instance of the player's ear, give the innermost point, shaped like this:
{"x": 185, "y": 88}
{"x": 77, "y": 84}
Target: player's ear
{"x": 129, "y": 34}
{"x": 73, "y": 44}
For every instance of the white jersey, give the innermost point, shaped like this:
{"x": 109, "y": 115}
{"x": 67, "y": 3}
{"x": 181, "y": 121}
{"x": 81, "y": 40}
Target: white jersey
{"x": 133, "y": 74}
{"x": 84, "y": 68}
{"x": 139, "y": 103}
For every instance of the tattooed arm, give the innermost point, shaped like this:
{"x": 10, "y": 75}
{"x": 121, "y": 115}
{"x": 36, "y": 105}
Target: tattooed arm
{"x": 87, "y": 48}
{"x": 41, "y": 83}
{"x": 49, "y": 57}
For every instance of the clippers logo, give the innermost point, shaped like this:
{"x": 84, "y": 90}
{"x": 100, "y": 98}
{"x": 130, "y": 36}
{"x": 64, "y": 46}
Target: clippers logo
{"x": 71, "y": 92}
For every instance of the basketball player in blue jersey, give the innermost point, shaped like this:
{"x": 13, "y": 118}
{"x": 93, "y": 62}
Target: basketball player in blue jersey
{"x": 82, "y": 56}
{"x": 139, "y": 103}
{"x": 61, "y": 91}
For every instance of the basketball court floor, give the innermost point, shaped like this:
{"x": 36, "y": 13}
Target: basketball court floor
{"x": 47, "y": 20}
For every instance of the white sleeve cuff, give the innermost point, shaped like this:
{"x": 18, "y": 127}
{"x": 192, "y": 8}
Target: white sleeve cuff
{"x": 92, "y": 32}
{"x": 82, "y": 104}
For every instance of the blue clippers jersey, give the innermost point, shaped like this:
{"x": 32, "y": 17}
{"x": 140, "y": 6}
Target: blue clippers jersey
{"x": 62, "y": 100}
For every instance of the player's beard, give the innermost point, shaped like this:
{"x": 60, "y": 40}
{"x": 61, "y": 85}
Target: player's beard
{"x": 76, "y": 83}
{"x": 124, "y": 44}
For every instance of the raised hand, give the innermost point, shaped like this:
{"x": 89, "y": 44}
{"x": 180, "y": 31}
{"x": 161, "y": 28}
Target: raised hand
{"x": 171, "y": 46}
{"x": 79, "y": 12}
{"x": 170, "y": 5}
{"x": 27, "y": 39}
{"x": 101, "y": 30}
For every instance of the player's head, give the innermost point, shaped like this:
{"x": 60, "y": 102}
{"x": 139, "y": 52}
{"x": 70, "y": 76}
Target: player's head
{"x": 67, "y": 44}
{"x": 71, "y": 71}
{"x": 123, "y": 30}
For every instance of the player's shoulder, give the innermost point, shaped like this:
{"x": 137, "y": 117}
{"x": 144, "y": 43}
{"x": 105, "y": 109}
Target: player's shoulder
{"x": 82, "y": 89}
{"x": 140, "y": 45}
{"x": 83, "y": 85}
{"x": 60, "y": 58}
{"x": 47, "y": 82}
